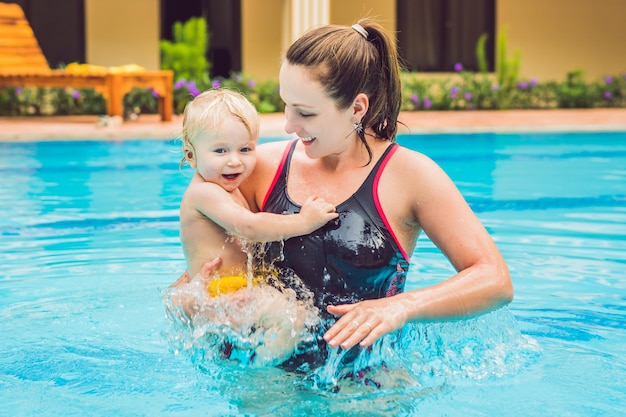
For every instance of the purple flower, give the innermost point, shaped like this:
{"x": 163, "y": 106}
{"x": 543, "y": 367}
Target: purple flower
{"x": 468, "y": 96}
{"x": 415, "y": 99}
{"x": 18, "y": 90}
{"x": 75, "y": 94}
{"x": 454, "y": 91}
{"x": 608, "y": 95}
{"x": 216, "y": 84}
{"x": 458, "y": 67}
{"x": 608, "y": 80}
{"x": 180, "y": 84}
{"x": 427, "y": 103}
{"x": 522, "y": 85}
{"x": 533, "y": 82}
{"x": 495, "y": 87}
{"x": 193, "y": 90}
{"x": 251, "y": 83}
{"x": 155, "y": 93}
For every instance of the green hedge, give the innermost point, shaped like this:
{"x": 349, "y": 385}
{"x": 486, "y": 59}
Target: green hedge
{"x": 476, "y": 91}
{"x": 460, "y": 91}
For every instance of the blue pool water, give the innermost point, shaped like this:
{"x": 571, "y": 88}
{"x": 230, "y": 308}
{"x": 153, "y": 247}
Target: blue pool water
{"x": 89, "y": 244}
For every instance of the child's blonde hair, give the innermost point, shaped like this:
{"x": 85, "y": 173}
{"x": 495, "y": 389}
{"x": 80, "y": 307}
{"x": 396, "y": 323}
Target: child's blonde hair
{"x": 206, "y": 111}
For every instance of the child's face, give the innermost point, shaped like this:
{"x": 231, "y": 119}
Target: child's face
{"x": 226, "y": 157}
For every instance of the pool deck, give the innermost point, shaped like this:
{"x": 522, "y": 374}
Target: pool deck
{"x": 15, "y": 129}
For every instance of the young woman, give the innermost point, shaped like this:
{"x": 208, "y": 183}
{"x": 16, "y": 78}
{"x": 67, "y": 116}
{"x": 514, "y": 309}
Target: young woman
{"x": 342, "y": 94}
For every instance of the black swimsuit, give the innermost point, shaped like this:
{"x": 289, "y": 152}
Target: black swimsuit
{"x": 352, "y": 258}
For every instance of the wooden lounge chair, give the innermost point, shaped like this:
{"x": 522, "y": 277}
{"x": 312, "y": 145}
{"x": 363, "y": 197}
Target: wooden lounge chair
{"x": 22, "y": 64}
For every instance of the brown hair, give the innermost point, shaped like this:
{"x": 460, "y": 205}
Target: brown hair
{"x": 347, "y": 63}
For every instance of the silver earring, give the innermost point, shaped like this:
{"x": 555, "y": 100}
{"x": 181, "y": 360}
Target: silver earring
{"x": 358, "y": 126}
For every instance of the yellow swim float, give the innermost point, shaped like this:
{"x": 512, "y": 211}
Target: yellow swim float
{"x": 228, "y": 284}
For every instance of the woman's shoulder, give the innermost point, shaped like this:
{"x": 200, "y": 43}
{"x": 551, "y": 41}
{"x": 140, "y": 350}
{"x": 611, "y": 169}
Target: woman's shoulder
{"x": 404, "y": 155}
{"x": 269, "y": 154}
{"x": 416, "y": 168}
{"x": 407, "y": 163}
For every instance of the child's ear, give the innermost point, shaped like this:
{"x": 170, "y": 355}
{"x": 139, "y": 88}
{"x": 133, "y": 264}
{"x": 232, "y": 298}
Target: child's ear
{"x": 189, "y": 156}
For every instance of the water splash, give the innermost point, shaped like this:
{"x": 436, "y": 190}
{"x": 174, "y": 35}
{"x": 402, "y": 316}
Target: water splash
{"x": 488, "y": 346}
{"x": 426, "y": 356}
{"x": 261, "y": 325}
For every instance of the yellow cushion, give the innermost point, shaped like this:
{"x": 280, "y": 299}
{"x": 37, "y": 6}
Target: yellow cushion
{"x": 77, "y": 68}
{"x": 128, "y": 68}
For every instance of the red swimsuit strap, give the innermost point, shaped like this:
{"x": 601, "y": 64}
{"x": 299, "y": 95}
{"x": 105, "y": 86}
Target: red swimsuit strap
{"x": 376, "y": 198}
{"x": 288, "y": 149}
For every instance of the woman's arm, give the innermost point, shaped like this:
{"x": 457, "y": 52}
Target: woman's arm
{"x": 433, "y": 204}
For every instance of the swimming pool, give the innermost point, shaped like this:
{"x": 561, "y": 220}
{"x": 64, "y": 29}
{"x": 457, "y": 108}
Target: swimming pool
{"x": 89, "y": 243}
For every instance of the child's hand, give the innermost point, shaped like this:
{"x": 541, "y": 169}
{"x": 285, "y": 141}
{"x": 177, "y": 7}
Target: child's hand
{"x": 210, "y": 267}
{"x": 318, "y": 212}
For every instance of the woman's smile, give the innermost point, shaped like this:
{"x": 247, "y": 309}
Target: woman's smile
{"x": 307, "y": 140}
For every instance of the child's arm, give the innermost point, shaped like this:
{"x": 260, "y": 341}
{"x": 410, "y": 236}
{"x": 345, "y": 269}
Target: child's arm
{"x": 219, "y": 206}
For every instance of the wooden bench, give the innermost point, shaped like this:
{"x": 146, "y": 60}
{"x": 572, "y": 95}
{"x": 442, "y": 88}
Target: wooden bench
{"x": 22, "y": 64}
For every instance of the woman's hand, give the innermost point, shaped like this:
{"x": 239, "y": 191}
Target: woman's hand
{"x": 365, "y": 322}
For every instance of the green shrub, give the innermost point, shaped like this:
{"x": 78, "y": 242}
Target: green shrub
{"x": 186, "y": 54}
{"x": 462, "y": 91}
{"x": 474, "y": 91}
{"x": 140, "y": 101}
{"x": 68, "y": 101}
{"x": 183, "y": 92}
{"x": 481, "y": 53}
{"x": 612, "y": 91}
{"x": 574, "y": 92}
{"x": 507, "y": 68}
{"x": 31, "y": 101}
{"x": 264, "y": 95}
{"x": 9, "y": 101}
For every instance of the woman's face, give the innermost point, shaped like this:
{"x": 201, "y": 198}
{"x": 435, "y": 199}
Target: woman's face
{"x": 226, "y": 157}
{"x": 312, "y": 115}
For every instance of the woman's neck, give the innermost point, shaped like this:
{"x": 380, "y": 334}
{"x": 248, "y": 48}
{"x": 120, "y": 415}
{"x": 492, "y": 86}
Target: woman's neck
{"x": 354, "y": 155}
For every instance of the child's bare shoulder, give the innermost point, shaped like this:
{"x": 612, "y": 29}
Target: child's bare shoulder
{"x": 200, "y": 190}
